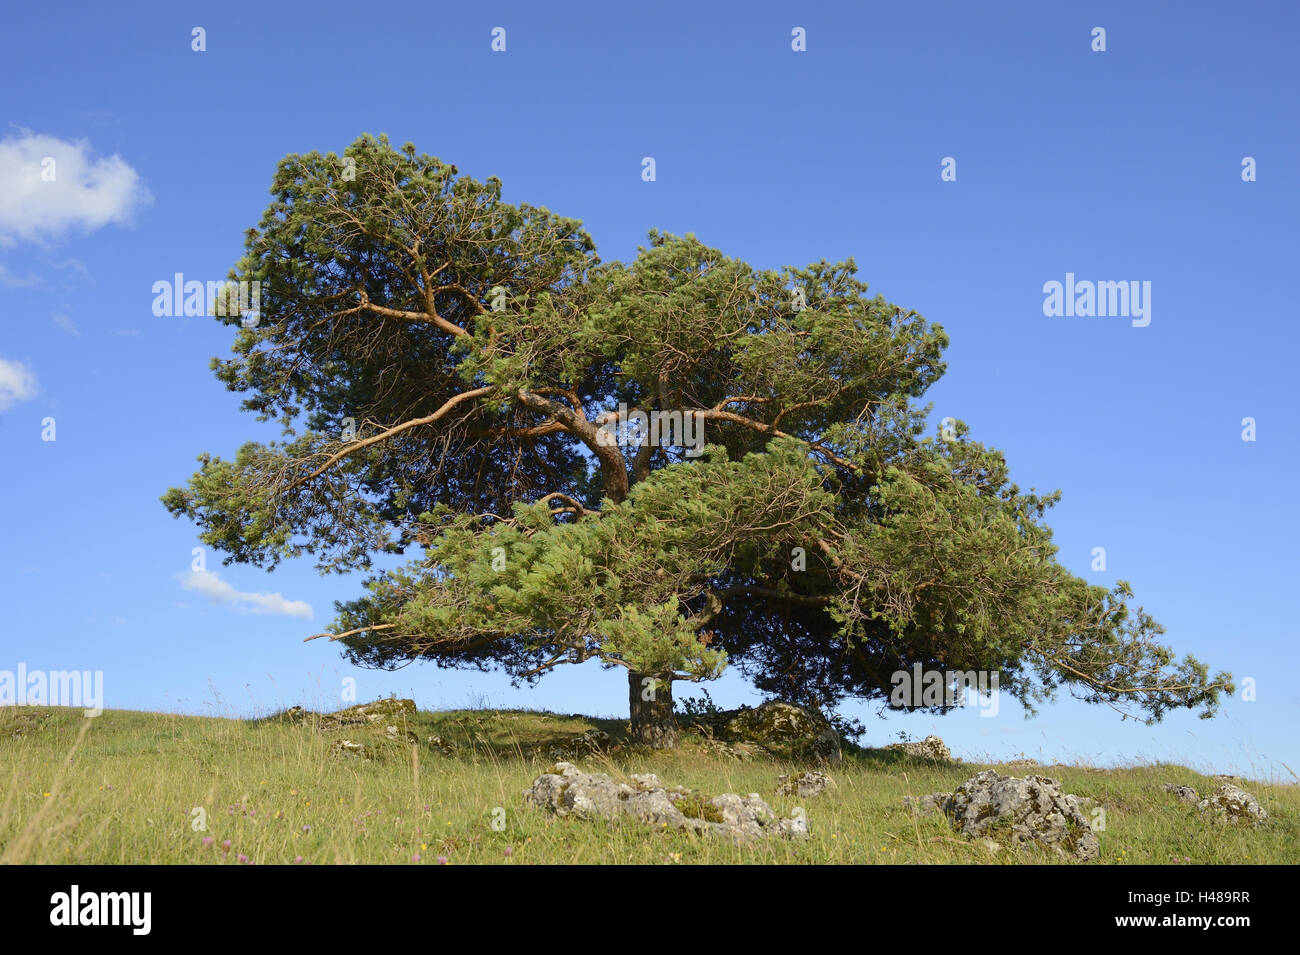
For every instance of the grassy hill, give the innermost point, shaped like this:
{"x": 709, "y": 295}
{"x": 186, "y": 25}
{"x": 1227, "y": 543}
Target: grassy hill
{"x": 122, "y": 788}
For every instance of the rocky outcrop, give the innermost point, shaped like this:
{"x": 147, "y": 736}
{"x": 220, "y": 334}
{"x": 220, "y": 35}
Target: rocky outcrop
{"x": 367, "y": 713}
{"x": 352, "y": 749}
{"x": 805, "y": 784}
{"x": 932, "y": 747}
{"x": 776, "y": 729}
{"x": 1228, "y": 803}
{"x": 591, "y": 742}
{"x": 1032, "y": 810}
{"x": 926, "y": 804}
{"x": 738, "y": 751}
{"x": 566, "y": 791}
{"x": 363, "y": 714}
{"x": 443, "y": 745}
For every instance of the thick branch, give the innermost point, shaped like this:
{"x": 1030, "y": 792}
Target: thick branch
{"x": 356, "y": 446}
{"x": 613, "y": 467}
{"x": 449, "y": 327}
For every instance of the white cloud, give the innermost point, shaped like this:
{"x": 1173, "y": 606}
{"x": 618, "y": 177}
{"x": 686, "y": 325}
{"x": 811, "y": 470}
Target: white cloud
{"x": 9, "y": 280}
{"x": 86, "y": 193}
{"x": 65, "y": 323}
{"x": 17, "y": 383}
{"x": 217, "y": 590}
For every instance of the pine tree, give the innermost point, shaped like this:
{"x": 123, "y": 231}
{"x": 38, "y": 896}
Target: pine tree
{"x": 665, "y": 465}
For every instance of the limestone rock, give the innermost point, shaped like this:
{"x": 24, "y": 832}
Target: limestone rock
{"x": 393, "y": 733}
{"x": 346, "y": 747}
{"x": 781, "y": 730}
{"x": 925, "y": 804}
{"x": 737, "y": 751}
{"x": 567, "y": 791}
{"x": 932, "y": 747}
{"x": 443, "y": 745}
{"x": 1184, "y": 793}
{"x": 586, "y": 744}
{"x": 364, "y": 713}
{"x": 1231, "y": 804}
{"x": 805, "y": 785}
{"x": 1032, "y": 809}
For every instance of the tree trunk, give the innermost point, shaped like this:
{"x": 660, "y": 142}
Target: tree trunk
{"x": 650, "y": 700}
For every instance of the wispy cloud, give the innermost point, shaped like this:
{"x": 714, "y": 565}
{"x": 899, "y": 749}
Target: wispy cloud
{"x": 210, "y": 585}
{"x": 65, "y": 323}
{"x": 9, "y": 280}
{"x": 17, "y": 383}
{"x": 54, "y": 186}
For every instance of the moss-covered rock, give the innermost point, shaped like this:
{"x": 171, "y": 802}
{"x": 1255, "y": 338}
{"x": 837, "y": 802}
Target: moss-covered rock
{"x": 1229, "y": 803}
{"x": 804, "y": 785}
{"x": 351, "y": 749}
{"x": 783, "y": 730}
{"x": 368, "y": 713}
{"x": 1033, "y": 810}
{"x": 932, "y": 747}
{"x": 363, "y": 714}
{"x": 567, "y": 791}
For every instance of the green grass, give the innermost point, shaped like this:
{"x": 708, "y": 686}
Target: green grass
{"x": 121, "y": 788}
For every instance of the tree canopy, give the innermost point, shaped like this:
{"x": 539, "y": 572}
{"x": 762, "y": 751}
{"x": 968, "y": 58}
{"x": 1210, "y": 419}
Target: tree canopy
{"x": 449, "y": 370}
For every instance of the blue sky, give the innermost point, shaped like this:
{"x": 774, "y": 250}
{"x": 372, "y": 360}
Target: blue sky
{"x": 1116, "y": 165}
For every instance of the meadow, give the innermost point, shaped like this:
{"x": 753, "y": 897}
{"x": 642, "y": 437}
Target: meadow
{"x": 135, "y": 787}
